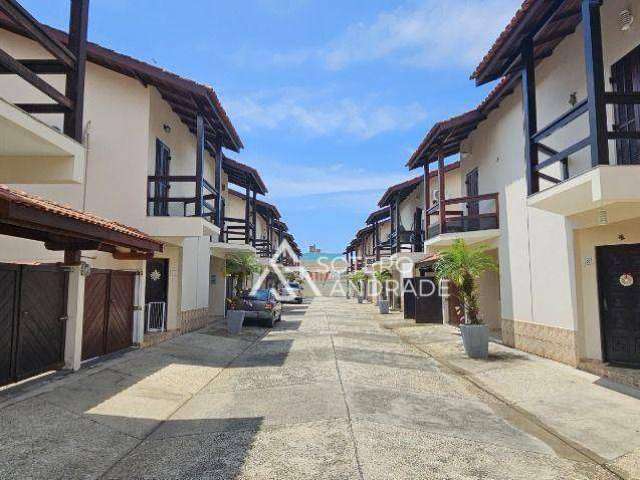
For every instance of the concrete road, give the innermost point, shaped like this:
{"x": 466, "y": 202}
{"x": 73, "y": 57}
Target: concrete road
{"x": 328, "y": 394}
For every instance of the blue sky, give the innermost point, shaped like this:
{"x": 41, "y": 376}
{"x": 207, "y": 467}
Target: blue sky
{"x": 330, "y": 97}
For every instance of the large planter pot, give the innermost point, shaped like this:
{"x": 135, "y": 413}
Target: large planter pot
{"x": 360, "y": 299}
{"x": 384, "y": 307}
{"x": 235, "y": 319}
{"x": 475, "y": 339}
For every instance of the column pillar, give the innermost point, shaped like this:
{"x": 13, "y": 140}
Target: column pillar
{"x": 254, "y": 217}
{"x": 592, "y": 32}
{"x": 427, "y": 195}
{"x": 199, "y": 163}
{"x": 247, "y": 206}
{"x": 218, "y": 186}
{"x": 530, "y": 115}
{"x": 442, "y": 208}
{"x": 138, "y": 301}
{"x": 75, "y": 318}
{"x": 74, "y": 90}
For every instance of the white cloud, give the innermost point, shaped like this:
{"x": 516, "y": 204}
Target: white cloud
{"x": 426, "y": 33}
{"x": 288, "y": 179}
{"x": 319, "y": 114}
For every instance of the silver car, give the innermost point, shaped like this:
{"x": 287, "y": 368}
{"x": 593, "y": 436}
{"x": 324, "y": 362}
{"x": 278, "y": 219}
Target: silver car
{"x": 263, "y": 306}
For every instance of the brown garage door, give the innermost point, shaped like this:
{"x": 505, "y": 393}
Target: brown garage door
{"x": 108, "y": 312}
{"x": 32, "y": 320}
{"x": 428, "y": 301}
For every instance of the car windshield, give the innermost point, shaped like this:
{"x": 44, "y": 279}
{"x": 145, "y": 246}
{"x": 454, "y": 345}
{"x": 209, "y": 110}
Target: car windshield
{"x": 294, "y": 285}
{"x": 261, "y": 295}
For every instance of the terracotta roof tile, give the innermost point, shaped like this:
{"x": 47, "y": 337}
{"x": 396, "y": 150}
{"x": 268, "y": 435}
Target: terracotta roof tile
{"x": 22, "y": 198}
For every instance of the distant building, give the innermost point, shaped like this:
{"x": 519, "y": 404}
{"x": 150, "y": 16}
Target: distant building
{"x": 314, "y": 249}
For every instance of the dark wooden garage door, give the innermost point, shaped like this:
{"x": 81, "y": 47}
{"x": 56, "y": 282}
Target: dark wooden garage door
{"x": 108, "y": 312}
{"x": 409, "y": 298}
{"x": 428, "y": 301}
{"x": 33, "y": 301}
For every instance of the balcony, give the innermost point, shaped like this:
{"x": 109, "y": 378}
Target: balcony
{"x": 264, "y": 249}
{"x": 178, "y": 207}
{"x": 30, "y": 150}
{"x": 237, "y": 230}
{"x": 472, "y": 219}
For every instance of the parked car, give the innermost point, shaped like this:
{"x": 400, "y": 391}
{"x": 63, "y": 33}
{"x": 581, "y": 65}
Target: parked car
{"x": 264, "y": 306}
{"x": 291, "y": 293}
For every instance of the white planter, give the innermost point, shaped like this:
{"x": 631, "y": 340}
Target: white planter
{"x": 475, "y": 339}
{"x": 235, "y": 319}
{"x": 384, "y": 306}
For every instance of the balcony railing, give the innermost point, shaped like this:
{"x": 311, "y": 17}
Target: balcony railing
{"x": 237, "y": 230}
{"x": 175, "y": 196}
{"x": 264, "y": 248}
{"x": 406, "y": 241}
{"x": 467, "y": 214}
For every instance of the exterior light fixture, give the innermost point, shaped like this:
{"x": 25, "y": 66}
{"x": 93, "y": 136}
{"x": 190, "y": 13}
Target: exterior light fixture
{"x": 625, "y": 18}
{"x": 166, "y": 128}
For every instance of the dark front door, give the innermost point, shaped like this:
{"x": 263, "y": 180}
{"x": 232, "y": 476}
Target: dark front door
{"x": 619, "y": 289}
{"x": 33, "y": 303}
{"x": 409, "y": 297}
{"x": 625, "y": 78}
{"x": 473, "y": 207}
{"x": 157, "y": 280}
{"x": 428, "y": 301}
{"x": 161, "y": 191}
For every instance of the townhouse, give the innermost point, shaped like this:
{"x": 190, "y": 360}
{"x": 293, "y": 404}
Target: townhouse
{"x": 127, "y": 141}
{"x": 555, "y": 202}
{"x": 394, "y": 234}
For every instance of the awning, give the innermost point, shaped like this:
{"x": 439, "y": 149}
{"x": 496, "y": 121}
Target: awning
{"x": 62, "y": 228}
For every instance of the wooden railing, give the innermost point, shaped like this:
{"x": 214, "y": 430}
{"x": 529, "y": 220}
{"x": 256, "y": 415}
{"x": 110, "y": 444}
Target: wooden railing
{"x": 237, "y": 229}
{"x": 161, "y": 203}
{"x": 69, "y": 60}
{"x": 264, "y": 248}
{"x": 475, "y": 213}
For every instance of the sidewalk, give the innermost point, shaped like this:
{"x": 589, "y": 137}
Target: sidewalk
{"x": 596, "y": 417}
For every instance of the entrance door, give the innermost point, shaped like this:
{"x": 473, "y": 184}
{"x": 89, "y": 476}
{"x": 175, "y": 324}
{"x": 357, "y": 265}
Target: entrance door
{"x": 473, "y": 207}
{"x": 161, "y": 191}
{"x": 619, "y": 290}
{"x": 33, "y": 303}
{"x": 156, "y": 295}
{"x": 409, "y": 297}
{"x": 625, "y": 78}
{"x": 428, "y": 301}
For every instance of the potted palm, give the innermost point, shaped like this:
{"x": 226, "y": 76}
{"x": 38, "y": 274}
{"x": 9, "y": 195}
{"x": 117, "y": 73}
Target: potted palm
{"x": 382, "y": 277}
{"x": 358, "y": 279}
{"x": 239, "y": 267}
{"x": 463, "y": 264}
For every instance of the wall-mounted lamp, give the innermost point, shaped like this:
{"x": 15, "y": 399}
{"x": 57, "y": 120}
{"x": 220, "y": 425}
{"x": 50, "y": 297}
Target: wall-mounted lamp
{"x": 166, "y": 128}
{"x": 625, "y": 19}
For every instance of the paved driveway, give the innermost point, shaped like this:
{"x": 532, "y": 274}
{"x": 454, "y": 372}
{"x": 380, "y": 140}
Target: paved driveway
{"x": 328, "y": 394}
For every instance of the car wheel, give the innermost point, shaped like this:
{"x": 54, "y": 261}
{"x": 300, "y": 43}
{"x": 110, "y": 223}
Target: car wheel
{"x": 269, "y": 323}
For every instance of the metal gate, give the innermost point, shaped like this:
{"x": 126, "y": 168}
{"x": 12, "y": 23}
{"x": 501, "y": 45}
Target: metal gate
{"x": 33, "y": 304}
{"x": 108, "y": 312}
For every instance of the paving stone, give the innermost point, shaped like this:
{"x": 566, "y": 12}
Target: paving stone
{"x": 273, "y": 406}
{"x": 321, "y": 450}
{"x": 42, "y": 441}
{"x": 118, "y": 401}
{"x": 388, "y": 451}
{"x": 452, "y": 416}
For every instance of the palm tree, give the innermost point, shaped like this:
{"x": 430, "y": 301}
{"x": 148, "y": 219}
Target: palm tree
{"x": 241, "y": 266}
{"x": 382, "y": 277}
{"x": 358, "y": 278}
{"x": 463, "y": 264}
